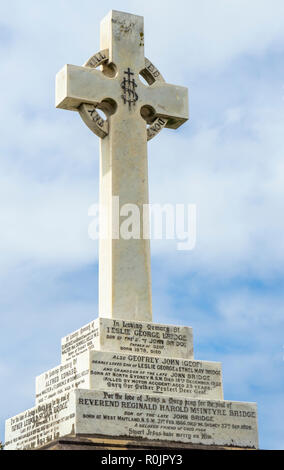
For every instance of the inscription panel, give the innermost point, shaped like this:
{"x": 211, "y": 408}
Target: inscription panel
{"x": 155, "y": 375}
{"x": 123, "y": 336}
{"x": 156, "y": 127}
{"x": 64, "y": 378}
{"x": 147, "y": 416}
{"x": 208, "y": 422}
{"x": 98, "y": 370}
{"x": 93, "y": 120}
{"x": 80, "y": 341}
{"x": 41, "y": 424}
{"x": 97, "y": 59}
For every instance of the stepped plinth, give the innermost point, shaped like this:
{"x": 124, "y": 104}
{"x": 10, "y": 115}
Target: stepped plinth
{"x": 124, "y": 381}
{"x": 160, "y": 395}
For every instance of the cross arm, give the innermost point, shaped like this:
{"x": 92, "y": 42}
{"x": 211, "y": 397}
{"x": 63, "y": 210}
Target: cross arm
{"x": 76, "y": 85}
{"x": 169, "y": 102}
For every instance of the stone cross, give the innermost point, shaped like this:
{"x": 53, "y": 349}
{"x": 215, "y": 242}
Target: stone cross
{"x": 136, "y": 111}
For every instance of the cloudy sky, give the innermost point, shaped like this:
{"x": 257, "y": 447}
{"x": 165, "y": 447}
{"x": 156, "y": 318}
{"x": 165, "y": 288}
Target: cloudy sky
{"x": 228, "y": 160}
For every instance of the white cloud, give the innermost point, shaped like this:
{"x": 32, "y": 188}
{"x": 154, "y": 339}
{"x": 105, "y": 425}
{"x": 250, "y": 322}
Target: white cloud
{"x": 222, "y": 166}
{"x": 228, "y": 160}
{"x": 45, "y": 223}
{"x": 237, "y": 184}
{"x": 246, "y": 309}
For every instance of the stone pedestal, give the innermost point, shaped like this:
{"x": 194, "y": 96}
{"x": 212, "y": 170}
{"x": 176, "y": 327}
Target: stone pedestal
{"x": 113, "y": 444}
{"x": 124, "y": 381}
{"x": 124, "y": 384}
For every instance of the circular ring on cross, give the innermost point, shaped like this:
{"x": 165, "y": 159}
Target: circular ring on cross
{"x": 95, "y": 121}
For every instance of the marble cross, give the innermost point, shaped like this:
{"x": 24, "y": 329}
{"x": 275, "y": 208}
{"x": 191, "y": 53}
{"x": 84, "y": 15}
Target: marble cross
{"x": 136, "y": 110}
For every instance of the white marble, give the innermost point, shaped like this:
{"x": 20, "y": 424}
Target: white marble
{"x": 62, "y": 379}
{"x": 100, "y": 370}
{"x": 124, "y": 265}
{"x": 124, "y": 336}
{"x": 41, "y": 424}
{"x": 147, "y": 416}
{"x": 122, "y": 375}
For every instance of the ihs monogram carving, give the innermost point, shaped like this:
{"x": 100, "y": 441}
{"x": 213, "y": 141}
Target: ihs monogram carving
{"x": 130, "y": 96}
{"x": 128, "y": 85}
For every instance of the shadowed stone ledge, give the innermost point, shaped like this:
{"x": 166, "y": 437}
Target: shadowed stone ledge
{"x": 98, "y": 442}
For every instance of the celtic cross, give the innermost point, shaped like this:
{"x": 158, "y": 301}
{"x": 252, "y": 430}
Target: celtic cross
{"x": 135, "y": 112}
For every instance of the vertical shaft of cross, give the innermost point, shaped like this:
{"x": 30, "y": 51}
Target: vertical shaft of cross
{"x": 124, "y": 265}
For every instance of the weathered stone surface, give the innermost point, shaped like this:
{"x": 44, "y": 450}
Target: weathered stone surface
{"x": 166, "y": 418}
{"x": 41, "y": 424}
{"x": 124, "y": 264}
{"x": 62, "y": 379}
{"x": 162, "y": 418}
{"x": 98, "y": 370}
{"x": 123, "y": 377}
{"x": 97, "y": 442}
{"x": 124, "y": 336}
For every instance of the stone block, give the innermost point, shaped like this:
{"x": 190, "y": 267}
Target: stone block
{"x": 143, "y": 416}
{"x": 101, "y": 370}
{"x": 124, "y": 336}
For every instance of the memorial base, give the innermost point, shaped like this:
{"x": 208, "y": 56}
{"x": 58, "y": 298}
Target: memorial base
{"x": 97, "y": 442}
{"x": 132, "y": 385}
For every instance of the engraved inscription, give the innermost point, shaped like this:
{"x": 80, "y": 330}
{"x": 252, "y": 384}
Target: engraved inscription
{"x": 150, "y": 73}
{"x": 62, "y": 379}
{"x": 97, "y": 59}
{"x": 40, "y": 425}
{"x": 103, "y": 370}
{"x": 156, "y": 127}
{"x": 93, "y": 120}
{"x": 128, "y": 85}
{"x": 153, "y": 70}
{"x": 178, "y": 419}
{"x": 168, "y": 419}
{"x": 96, "y": 117}
{"x": 155, "y": 375}
{"x": 80, "y": 341}
{"x": 130, "y": 337}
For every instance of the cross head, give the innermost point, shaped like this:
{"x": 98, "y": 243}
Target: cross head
{"x": 135, "y": 113}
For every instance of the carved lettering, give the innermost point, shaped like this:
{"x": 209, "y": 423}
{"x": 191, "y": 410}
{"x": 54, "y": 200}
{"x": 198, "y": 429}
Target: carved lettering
{"x": 130, "y": 337}
{"x": 156, "y": 127}
{"x": 97, "y": 59}
{"x": 137, "y": 373}
{"x": 128, "y": 85}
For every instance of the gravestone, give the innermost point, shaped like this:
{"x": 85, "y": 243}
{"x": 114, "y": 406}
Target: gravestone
{"x": 124, "y": 380}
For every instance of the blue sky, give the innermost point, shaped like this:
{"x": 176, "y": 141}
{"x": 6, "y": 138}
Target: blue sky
{"x": 228, "y": 160}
